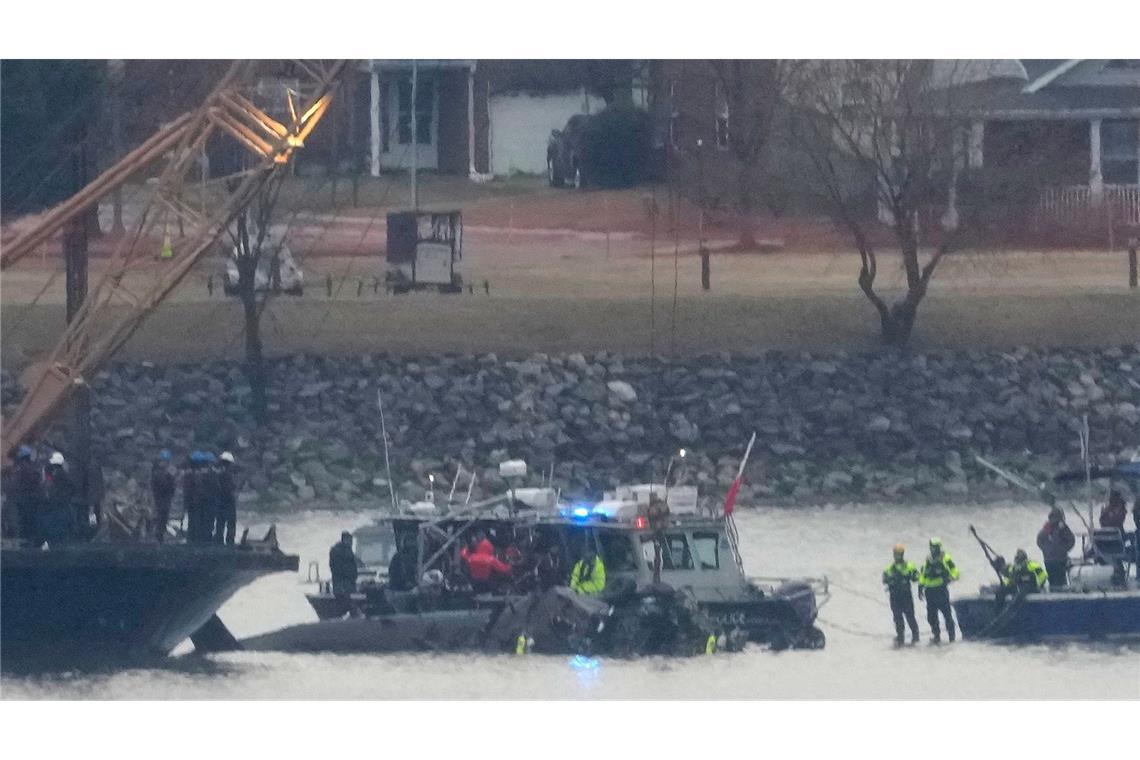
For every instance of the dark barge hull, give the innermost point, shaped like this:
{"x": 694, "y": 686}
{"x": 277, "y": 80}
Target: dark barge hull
{"x": 1093, "y": 614}
{"x": 117, "y": 601}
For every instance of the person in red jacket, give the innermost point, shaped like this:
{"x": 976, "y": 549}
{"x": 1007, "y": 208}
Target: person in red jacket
{"x": 483, "y": 566}
{"x": 1056, "y": 540}
{"x": 1114, "y": 513}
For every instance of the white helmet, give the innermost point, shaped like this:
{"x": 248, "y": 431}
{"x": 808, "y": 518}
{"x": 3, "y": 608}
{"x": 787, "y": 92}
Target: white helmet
{"x": 227, "y": 457}
{"x": 56, "y": 458}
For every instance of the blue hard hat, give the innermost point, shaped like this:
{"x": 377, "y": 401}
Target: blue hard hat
{"x": 164, "y": 455}
{"x": 197, "y": 456}
{"x": 24, "y": 452}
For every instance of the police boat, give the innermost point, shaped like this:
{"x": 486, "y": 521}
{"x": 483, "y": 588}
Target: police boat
{"x": 1102, "y": 598}
{"x": 674, "y": 584}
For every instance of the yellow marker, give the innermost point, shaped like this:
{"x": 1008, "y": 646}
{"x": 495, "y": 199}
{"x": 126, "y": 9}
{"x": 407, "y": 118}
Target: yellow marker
{"x": 167, "y": 250}
{"x": 710, "y": 645}
{"x": 520, "y": 644}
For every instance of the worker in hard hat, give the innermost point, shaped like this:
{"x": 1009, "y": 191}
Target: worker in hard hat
{"x": 195, "y": 492}
{"x": 897, "y": 579}
{"x": 58, "y": 495}
{"x": 1024, "y": 576}
{"x": 225, "y": 500}
{"x": 23, "y": 488}
{"x": 589, "y": 573}
{"x": 26, "y": 493}
{"x": 162, "y": 487}
{"x": 938, "y": 572}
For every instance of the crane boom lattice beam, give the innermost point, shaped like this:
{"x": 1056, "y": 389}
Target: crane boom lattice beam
{"x": 97, "y": 331}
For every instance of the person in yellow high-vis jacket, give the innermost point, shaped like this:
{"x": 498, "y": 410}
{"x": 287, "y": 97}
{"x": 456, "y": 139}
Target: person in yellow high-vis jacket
{"x": 897, "y": 579}
{"x": 1023, "y": 577}
{"x": 938, "y": 572}
{"x": 589, "y": 574}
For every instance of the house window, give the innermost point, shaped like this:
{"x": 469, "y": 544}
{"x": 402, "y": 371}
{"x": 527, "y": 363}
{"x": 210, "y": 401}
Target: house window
{"x": 721, "y": 101}
{"x": 1120, "y": 151}
{"x": 674, "y": 119}
{"x": 425, "y": 101}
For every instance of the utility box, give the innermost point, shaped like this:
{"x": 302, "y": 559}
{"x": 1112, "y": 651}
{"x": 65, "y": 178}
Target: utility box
{"x": 424, "y": 251}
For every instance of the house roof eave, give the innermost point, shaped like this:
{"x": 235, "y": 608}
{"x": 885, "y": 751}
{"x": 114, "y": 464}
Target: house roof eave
{"x": 397, "y": 64}
{"x": 1019, "y": 114}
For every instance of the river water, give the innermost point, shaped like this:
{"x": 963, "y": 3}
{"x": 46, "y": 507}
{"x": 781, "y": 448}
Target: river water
{"x": 850, "y": 545}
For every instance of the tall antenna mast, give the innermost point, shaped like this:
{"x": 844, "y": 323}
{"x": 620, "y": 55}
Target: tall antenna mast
{"x": 387, "y": 462}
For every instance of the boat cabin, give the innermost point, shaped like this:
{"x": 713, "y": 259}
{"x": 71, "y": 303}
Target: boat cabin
{"x": 696, "y": 551}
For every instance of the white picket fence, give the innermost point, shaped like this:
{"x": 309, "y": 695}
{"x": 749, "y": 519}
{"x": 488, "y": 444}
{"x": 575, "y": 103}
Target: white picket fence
{"x": 1074, "y": 205}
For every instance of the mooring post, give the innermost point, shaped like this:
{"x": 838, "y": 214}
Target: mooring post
{"x": 1132, "y": 245}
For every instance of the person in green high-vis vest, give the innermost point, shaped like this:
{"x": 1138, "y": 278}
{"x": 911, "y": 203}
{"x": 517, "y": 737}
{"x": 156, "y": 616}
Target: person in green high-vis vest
{"x": 897, "y": 579}
{"x": 938, "y": 572}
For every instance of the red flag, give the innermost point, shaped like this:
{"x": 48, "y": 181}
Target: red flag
{"x": 730, "y": 500}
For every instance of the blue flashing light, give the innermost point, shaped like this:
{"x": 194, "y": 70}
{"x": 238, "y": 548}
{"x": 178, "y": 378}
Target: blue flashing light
{"x": 581, "y": 662}
{"x": 581, "y": 512}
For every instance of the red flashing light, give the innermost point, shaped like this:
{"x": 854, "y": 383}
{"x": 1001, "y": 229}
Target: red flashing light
{"x": 640, "y": 522}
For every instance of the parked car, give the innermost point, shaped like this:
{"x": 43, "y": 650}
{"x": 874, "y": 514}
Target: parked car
{"x": 277, "y": 272}
{"x": 565, "y": 153}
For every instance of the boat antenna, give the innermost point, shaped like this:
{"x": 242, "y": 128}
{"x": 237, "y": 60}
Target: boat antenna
{"x": 470, "y": 488}
{"x": 1040, "y": 491}
{"x": 387, "y": 461}
{"x": 1086, "y": 458}
{"x": 454, "y": 483}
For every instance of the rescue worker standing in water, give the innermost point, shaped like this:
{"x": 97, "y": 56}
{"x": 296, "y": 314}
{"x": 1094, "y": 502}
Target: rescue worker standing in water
{"x": 589, "y": 574}
{"x": 938, "y": 572}
{"x": 897, "y": 579}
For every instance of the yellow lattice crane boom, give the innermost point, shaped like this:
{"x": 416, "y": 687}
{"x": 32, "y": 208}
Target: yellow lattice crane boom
{"x": 96, "y": 332}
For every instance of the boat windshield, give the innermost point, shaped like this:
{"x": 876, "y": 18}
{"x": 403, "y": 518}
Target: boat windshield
{"x": 675, "y": 553}
{"x": 375, "y": 547}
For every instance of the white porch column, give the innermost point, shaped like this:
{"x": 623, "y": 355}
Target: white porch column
{"x": 977, "y": 140}
{"x": 471, "y": 121}
{"x": 375, "y": 123}
{"x": 1096, "y": 179}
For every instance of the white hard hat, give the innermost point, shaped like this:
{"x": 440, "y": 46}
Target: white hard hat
{"x": 432, "y": 578}
{"x": 227, "y": 457}
{"x": 56, "y": 458}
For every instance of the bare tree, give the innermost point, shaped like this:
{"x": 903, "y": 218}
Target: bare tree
{"x": 751, "y": 93}
{"x": 250, "y": 248}
{"x": 887, "y": 141}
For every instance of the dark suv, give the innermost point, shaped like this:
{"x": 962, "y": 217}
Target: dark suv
{"x": 565, "y": 162}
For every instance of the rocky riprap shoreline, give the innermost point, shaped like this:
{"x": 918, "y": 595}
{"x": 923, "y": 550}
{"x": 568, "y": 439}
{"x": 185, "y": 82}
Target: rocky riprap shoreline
{"x": 831, "y": 428}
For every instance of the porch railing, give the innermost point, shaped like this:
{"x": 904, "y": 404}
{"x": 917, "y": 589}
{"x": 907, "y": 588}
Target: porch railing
{"x": 1120, "y": 205}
